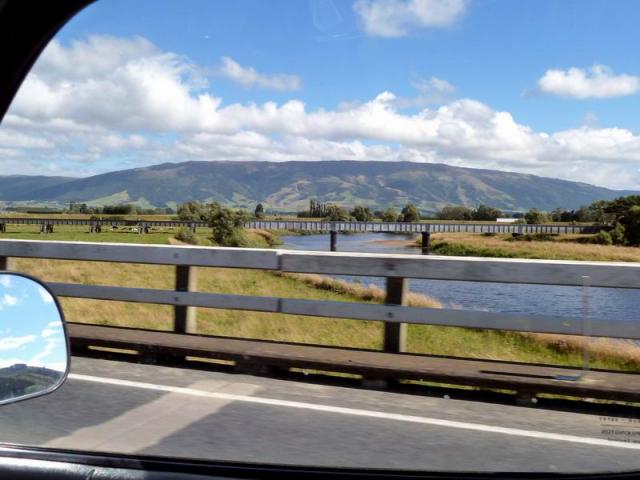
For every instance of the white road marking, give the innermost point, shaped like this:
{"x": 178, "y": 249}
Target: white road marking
{"x": 478, "y": 427}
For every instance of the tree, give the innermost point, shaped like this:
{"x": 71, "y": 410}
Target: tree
{"x": 259, "y": 211}
{"x": 485, "y": 213}
{"x": 624, "y": 214}
{"x": 618, "y": 234}
{"x": 337, "y": 214}
{"x": 119, "y": 209}
{"x": 409, "y": 214}
{"x": 390, "y": 215}
{"x": 191, "y": 212}
{"x": 562, "y": 215}
{"x": 631, "y": 223}
{"x": 535, "y": 216}
{"x": 361, "y": 213}
{"x": 454, "y": 212}
{"x": 226, "y": 224}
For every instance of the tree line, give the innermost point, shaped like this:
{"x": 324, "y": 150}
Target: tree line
{"x": 359, "y": 213}
{"x": 126, "y": 209}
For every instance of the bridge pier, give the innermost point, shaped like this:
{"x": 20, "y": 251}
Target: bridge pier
{"x": 426, "y": 237}
{"x": 3, "y": 228}
{"x": 333, "y": 241}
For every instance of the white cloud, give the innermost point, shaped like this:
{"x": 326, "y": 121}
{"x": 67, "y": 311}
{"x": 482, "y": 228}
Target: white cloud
{"x": 47, "y": 332}
{"x": 398, "y": 18}
{"x": 598, "y": 82}
{"x": 153, "y": 106}
{"x": 49, "y": 348}
{"x": 8, "y": 300}
{"x": 5, "y": 281}
{"x": 249, "y": 77}
{"x": 44, "y": 295}
{"x": 12, "y": 343}
{"x": 429, "y": 91}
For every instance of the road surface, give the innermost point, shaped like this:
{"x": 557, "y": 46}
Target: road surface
{"x": 122, "y": 407}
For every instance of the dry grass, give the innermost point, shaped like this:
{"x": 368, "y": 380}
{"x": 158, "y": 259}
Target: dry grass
{"x": 560, "y": 249}
{"x": 371, "y": 293}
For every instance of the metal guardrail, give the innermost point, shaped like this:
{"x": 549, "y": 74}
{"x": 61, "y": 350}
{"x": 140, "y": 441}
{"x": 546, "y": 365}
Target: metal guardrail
{"x": 396, "y": 268}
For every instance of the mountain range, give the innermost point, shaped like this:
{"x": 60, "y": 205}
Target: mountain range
{"x": 288, "y": 186}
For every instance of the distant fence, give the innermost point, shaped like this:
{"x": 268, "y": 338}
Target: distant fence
{"x": 322, "y": 226}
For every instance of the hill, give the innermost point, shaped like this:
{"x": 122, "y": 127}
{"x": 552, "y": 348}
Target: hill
{"x": 288, "y": 186}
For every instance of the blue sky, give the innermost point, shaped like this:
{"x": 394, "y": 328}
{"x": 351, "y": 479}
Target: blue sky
{"x": 30, "y": 325}
{"x": 544, "y": 87}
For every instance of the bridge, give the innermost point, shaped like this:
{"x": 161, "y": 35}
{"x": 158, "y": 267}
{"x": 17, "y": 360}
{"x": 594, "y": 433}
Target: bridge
{"x": 319, "y": 226}
{"x": 184, "y": 345}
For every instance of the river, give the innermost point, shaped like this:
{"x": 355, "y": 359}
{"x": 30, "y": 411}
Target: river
{"x": 603, "y": 303}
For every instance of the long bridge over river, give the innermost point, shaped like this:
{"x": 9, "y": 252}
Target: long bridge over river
{"x": 319, "y": 226}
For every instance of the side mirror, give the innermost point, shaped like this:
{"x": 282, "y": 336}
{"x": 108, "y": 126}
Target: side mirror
{"x": 34, "y": 350}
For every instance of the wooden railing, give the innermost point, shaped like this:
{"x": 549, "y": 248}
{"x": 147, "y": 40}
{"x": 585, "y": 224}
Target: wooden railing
{"x": 396, "y": 268}
{"x": 184, "y": 347}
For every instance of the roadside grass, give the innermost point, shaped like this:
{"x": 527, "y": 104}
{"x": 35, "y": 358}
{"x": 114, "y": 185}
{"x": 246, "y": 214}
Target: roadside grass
{"x": 450, "y": 341}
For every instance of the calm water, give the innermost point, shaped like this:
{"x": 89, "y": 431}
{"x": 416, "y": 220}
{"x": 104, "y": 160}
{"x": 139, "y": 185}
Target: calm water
{"x": 604, "y": 303}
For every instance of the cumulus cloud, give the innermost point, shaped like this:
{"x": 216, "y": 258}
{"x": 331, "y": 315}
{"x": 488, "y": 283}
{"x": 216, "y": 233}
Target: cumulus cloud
{"x": 597, "y": 82}
{"x": 47, "y": 332}
{"x": 249, "y": 77}
{"x": 153, "y": 106}
{"x": 398, "y": 18}
{"x": 12, "y": 343}
{"x": 8, "y": 300}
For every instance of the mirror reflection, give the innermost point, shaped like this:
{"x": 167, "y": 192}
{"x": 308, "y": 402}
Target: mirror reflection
{"x": 33, "y": 349}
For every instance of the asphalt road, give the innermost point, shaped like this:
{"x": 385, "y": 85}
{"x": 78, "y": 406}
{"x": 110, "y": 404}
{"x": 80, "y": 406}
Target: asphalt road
{"x": 121, "y": 407}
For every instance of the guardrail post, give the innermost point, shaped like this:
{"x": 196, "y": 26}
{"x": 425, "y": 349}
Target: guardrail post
{"x": 6, "y": 263}
{"x": 185, "y": 320}
{"x": 395, "y": 334}
{"x": 333, "y": 240}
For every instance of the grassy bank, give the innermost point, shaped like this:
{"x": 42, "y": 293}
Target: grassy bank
{"x": 471, "y": 343}
{"x": 562, "y": 247}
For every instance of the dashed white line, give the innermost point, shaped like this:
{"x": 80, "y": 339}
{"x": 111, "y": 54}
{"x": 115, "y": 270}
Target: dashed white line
{"x": 398, "y": 417}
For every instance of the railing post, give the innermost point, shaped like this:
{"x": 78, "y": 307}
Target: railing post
{"x": 185, "y": 320}
{"x": 6, "y": 263}
{"x": 395, "y": 334}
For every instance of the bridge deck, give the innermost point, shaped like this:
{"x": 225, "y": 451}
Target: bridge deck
{"x": 320, "y": 226}
{"x": 370, "y": 364}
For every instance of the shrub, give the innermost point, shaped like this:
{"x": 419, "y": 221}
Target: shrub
{"x": 535, "y": 216}
{"x": 187, "y": 235}
{"x": 409, "y": 214}
{"x": 390, "y": 215}
{"x": 617, "y": 234}
{"x": 533, "y": 237}
{"x": 602, "y": 238}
